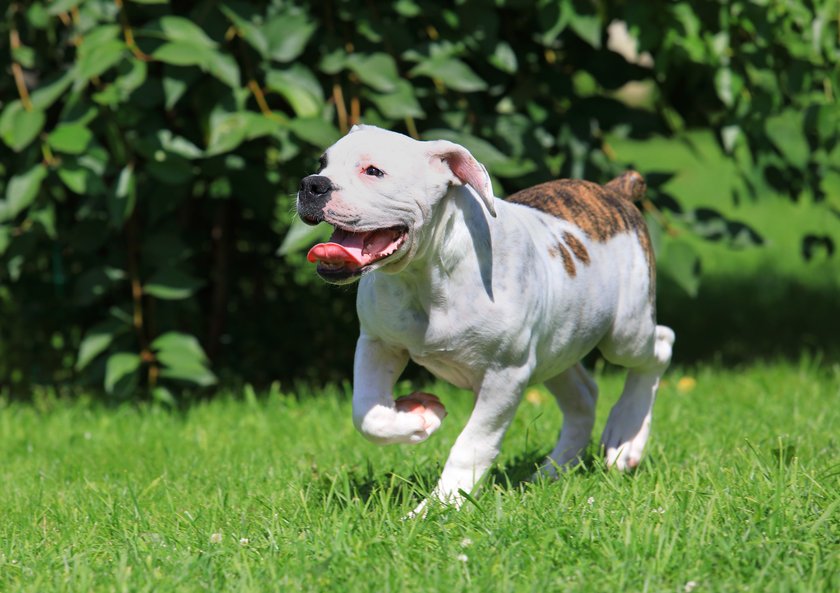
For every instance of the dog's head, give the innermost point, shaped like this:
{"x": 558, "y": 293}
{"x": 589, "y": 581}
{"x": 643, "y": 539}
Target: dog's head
{"x": 378, "y": 189}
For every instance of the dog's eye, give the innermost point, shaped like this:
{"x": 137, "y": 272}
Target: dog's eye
{"x": 322, "y": 163}
{"x": 374, "y": 172}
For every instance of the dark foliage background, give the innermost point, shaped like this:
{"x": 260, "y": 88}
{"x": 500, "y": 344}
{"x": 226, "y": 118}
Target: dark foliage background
{"x": 151, "y": 151}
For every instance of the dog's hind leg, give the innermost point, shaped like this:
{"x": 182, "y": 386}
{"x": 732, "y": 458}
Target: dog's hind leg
{"x": 628, "y": 425}
{"x": 576, "y": 394}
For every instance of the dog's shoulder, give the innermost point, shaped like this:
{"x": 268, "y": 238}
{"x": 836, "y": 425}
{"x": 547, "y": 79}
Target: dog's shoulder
{"x": 600, "y": 211}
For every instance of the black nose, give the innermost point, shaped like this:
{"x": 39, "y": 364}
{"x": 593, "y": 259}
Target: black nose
{"x": 315, "y": 185}
{"x": 313, "y": 196}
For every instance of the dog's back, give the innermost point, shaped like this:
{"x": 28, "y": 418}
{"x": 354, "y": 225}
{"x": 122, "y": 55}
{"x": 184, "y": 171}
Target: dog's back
{"x": 600, "y": 211}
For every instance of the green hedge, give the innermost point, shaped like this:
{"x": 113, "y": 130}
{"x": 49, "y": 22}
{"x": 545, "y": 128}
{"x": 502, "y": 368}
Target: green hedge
{"x": 151, "y": 151}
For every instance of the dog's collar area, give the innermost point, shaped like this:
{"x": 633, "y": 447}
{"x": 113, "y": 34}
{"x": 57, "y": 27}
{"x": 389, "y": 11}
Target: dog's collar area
{"x": 349, "y": 253}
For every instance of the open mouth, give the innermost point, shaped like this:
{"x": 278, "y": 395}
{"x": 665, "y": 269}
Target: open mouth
{"x": 349, "y": 253}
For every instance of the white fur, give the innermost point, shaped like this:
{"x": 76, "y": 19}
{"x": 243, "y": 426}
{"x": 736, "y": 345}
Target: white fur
{"x": 479, "y": 301}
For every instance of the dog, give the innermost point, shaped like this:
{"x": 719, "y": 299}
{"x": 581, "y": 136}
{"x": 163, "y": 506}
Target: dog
{"x": 490, "y": 295}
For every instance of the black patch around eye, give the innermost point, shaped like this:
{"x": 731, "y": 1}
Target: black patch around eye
{"x": 374, "y": 172}
{"x": 322, "y": 163}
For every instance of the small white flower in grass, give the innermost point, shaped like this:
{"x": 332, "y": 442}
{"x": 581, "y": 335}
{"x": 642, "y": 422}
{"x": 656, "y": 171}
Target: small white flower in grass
{"x": 244, "y": 541}
{"x": 590, "y": 501}
{"x": 690, "y": 586}
{"x": 462, "y": 558}
{"x": 466, "y": 542}
{"x": 215, "y": 538}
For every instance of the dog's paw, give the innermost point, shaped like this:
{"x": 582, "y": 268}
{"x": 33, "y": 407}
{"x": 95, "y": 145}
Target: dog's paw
{"x": 425, "y": 405}
{"x": 622, "y": 448}
{"x": 412, "y": 419}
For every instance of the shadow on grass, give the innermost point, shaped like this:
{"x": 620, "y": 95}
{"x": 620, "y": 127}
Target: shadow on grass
{"x": 365, "y": 484}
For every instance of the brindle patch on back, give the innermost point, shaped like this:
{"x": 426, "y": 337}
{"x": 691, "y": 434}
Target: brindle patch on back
{"x": 600, "y": 211}
{"x": 568, "y": 262}
{"x": 578, "y": 248}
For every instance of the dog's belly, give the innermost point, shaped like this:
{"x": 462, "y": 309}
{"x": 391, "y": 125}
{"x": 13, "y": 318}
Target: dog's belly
{"x": 443, "y": 366}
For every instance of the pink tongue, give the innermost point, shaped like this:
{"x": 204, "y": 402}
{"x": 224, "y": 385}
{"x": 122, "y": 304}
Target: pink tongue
{"x": 335, "y": 253}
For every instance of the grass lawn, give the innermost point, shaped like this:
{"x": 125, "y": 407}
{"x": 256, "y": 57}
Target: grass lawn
{"x": 740, "y": 491}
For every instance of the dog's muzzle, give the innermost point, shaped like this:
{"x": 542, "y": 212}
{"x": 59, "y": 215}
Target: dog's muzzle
{"x": 313, "y": 195}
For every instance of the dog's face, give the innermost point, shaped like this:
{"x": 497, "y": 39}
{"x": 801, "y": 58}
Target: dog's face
{"x": 378, "y": 189}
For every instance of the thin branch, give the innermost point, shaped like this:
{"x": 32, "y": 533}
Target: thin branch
{"x": 341, "y": 108}
{"x": 263, "y": 104}
{"x": 17, "y": 71}
{"x": 128, "y": 34}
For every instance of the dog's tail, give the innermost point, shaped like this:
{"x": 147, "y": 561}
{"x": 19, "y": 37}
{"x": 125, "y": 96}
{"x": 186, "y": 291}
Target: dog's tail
{"x": 630, "y": 185}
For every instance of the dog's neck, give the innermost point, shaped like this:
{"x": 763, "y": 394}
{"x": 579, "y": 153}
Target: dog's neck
{"x": 459, "y": 229}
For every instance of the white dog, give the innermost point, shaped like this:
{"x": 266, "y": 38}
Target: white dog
{"x": 490, "y": 295}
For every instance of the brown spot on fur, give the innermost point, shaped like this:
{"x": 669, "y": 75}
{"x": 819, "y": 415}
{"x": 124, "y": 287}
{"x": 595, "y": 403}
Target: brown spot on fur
{"x": 600, "y": 211}
{"x": 568, "y": 262}
{"x": 578, "y": 248}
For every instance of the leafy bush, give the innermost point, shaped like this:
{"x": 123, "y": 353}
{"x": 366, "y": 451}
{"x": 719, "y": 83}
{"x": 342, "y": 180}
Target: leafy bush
{"x": 151, "y": 152}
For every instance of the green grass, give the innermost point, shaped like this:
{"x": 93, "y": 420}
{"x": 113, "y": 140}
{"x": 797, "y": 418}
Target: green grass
{"x": 740, "y": 491}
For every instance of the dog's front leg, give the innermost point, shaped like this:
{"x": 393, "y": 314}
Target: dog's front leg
{"x": 479, "y": 443}
{"x": 376, "y": 415}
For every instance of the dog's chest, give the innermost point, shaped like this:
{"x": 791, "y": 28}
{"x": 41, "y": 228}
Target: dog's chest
{"x": 447, "y": 341}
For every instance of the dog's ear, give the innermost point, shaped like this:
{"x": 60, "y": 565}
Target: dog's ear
{"x": 465, "y": 169}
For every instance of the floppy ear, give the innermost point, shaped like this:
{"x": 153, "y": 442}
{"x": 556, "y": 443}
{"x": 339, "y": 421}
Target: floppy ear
{"x": 465, "y": 170}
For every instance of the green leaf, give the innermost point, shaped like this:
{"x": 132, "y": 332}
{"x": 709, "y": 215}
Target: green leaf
{"x": 588, "y": 28}
{"x": 70, "y": 138}
{"x": 181, "y": 53}
{"x": 178, "y": 145}
{"x": 680, "y": 261}
{"x": 786, "y": 132}
{"x": 315, "y": 130}
{"x": 122, "y": 197}
{"x": 176, "y": 81}
{"x": 5, "y": 238}
{"x": 180, "y": 343}
{"x": 400, "y": 104}
{"x": 504, "y": 58}
{"x": 49, "y": 91}
{"x": 224, "y": 68}
{"x": 59, "y": 6}
{"x": 132, "y": 74}
{"x": 728, "y": 86}
{"x": 301, "y": 236}
{"x": 299, "y": 87}
{"x": 452, "y": 72}
{"x": 378, "y": 71}
{"x": 183, "y": 358}
{"x": 21, "y": 191}
{"x": 229, "y": 130}
{"x": 171, "y": 284}
{"x": 96, "y": 341}
{"x": 19, "y": 127}
{"x": 162, "y": 395}
{"x": 249, "y": 31}
{"x": 80, "y": 179}
{"x": 94, "y": 63}
{"x": 121, "y": 372}
{"x": 44, "y": 216}
{"x": 176, "y": 28}
{"x": 287, "y": 35}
